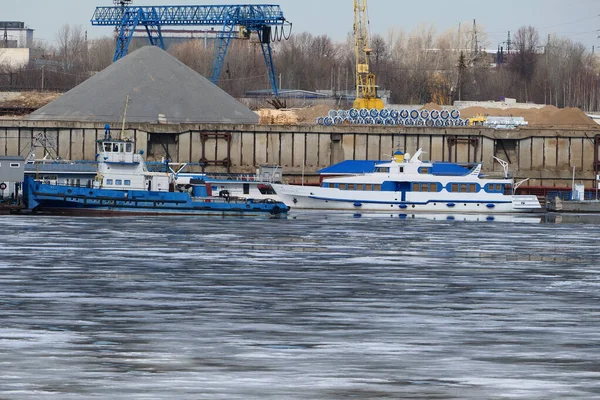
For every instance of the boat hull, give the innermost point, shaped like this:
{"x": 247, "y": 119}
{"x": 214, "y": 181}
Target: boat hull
{"x": 60, "y": 199}
{"x": 318, "y": 198}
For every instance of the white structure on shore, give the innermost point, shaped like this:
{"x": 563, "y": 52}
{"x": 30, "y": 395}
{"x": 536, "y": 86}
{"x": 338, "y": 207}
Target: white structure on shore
{"x": 16, "y": 41}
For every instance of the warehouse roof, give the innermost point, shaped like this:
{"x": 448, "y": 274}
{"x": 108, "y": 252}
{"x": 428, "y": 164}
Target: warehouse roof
{"x": 157, "y": 84}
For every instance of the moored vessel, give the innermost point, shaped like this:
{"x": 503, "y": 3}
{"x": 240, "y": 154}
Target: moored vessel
{"x": 407, "y": 183}
{"x": 123, "y": 184}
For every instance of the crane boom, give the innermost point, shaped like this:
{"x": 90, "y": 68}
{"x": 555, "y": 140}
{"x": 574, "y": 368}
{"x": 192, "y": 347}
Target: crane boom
{"x": 366, "y": 88}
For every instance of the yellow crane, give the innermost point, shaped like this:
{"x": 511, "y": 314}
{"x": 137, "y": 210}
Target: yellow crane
{"x": 366, "y": 88}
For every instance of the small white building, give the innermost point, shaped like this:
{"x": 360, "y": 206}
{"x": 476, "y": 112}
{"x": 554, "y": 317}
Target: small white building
{"x": 16, "y": 41}
{"x": 11, "y": 176}
{"x": 14, "y": 34}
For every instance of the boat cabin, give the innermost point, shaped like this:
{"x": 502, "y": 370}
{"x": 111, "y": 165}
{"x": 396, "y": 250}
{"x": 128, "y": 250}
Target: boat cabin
{"x": 121, "y": 168}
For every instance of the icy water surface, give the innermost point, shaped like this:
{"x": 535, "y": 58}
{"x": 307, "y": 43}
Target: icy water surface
{"x": 308, "y": 307}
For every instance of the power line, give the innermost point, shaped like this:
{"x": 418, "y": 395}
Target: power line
{"x": 571, "y": 22}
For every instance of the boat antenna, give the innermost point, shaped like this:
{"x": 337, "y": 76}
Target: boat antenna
{"x": 124, "y": 118}
{"x": 504, "y": 166}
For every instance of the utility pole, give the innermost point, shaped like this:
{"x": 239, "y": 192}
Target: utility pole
{"x": 475, "y": 38}
{"x": 43, "y": 66}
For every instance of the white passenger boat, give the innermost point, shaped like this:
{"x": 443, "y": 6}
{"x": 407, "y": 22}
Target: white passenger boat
{"x": 257, "y": 186}
{"x": 409, "y": 184}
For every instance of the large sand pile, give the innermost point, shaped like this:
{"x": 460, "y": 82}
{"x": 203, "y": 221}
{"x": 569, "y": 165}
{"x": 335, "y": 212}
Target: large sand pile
{"x": 545, "y": 116}
{"x": 157, "y": 85}
{"x": 310, "y": 114}
{"x": 538, "y": 117}
{"x": 432, "y": 106}
{"x": 269, "y": 116}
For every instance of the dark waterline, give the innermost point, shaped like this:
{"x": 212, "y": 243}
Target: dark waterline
{"x": 315, "y": 306}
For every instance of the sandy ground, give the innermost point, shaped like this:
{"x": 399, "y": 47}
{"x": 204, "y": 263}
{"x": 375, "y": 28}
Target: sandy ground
{"x": 545, "y": 116}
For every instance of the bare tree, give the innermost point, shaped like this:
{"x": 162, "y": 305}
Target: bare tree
{"x": 101, "y": 53}
{"x": 524, "y": 62}
{"x": 72, "y": 48}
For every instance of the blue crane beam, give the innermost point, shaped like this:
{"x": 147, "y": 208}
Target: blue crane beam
{"x": 246, "y": 15}
{"x": 259, "y": 18}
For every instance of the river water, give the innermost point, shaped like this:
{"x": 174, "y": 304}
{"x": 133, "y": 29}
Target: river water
{"x": 315, "y": 306}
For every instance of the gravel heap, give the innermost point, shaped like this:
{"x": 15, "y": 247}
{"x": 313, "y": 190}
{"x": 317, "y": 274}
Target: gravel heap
{"x": 157, "y": 84}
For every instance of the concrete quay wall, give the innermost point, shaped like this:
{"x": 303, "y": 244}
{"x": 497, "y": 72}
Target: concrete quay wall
{"x": 545, "y": 156}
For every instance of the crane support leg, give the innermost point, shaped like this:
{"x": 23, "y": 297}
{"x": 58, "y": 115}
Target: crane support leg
{"x": 153, "y": 30}
{"x": 264, "y": 36}
{"x": 129, "y": 22}
{"x": 223, "y": 45}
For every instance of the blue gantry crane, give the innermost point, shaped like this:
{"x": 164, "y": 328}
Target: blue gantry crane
{"x": 266, "y": 20}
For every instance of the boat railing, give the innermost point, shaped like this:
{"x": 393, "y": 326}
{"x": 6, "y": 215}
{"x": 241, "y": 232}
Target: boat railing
{"x": 565, "y": 195}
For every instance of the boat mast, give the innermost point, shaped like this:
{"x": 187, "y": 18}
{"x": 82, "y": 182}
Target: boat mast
{"x": 124, "y": 117}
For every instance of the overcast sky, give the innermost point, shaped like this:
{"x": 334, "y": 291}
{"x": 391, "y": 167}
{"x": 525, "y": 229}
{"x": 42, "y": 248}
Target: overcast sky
{"x": 575, "y": 19}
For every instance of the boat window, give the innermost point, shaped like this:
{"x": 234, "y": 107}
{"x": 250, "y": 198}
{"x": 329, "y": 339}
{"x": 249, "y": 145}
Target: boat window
{"x": 424, "y": 170}
{"x": 246, "y": 188}
{"x": 127, "y": 182}
{"x": 15, "y": 165}
{"x": 463, "y": 187}
{"x": 416, "y": 187}
{"x": 401, "y": 169}
{"x": 494, "y": 188}
{"x": 266, "y": 189}
{"x": 107, "y": 147}
{"x": 368, "y": 187}
{"x": 325, "y": 185}
{"x": 382, "y": 169}
{"x": 129, "y": 147}
{"x": 109, "y": 181}
{"x": 115, "y": 147}
{"x": 351, "y": 186}
{"x": 473, "y": 188}
{"x": 118, "y": 182}
{"x": 360, "y": 187}
{"x": 377, "y": 187}
{"x": 454, "y": 187}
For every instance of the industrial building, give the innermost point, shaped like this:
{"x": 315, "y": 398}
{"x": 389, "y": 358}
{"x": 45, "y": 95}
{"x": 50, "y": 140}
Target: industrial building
{"x": 15, "y": 35}
{"x": 15, "y": 44}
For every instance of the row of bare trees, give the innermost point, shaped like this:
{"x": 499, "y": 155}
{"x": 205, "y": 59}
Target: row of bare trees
{"x": 417, "y": 67}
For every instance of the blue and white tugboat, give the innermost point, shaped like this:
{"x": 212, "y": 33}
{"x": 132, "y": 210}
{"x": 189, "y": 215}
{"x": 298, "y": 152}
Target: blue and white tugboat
{"x": 408, "y": 184}
{"x": 123, "y": 184}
